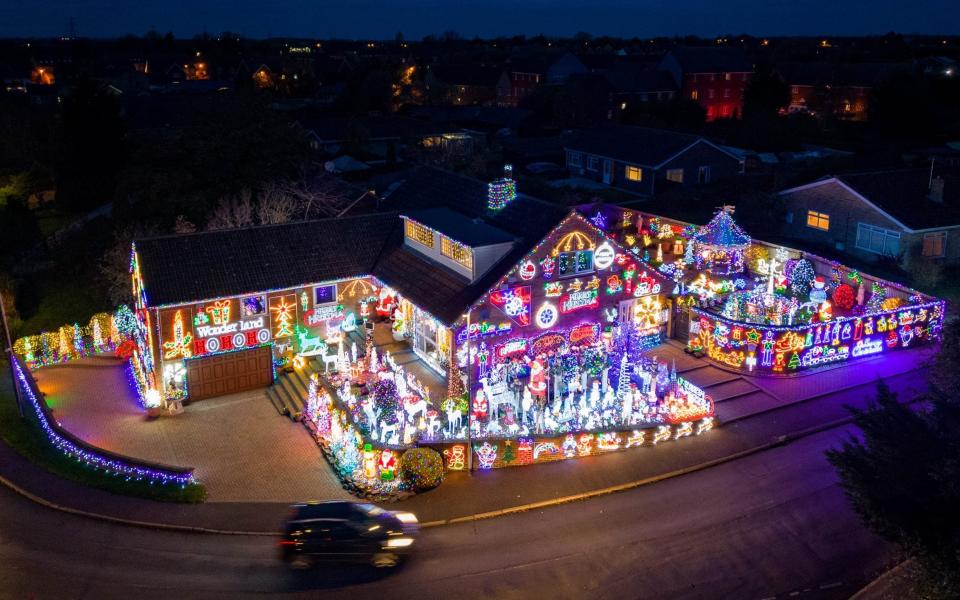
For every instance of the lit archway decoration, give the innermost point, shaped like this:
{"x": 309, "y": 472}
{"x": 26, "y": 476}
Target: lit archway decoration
{"x": 357, "y": 287}
{"x": 575, "y": 240}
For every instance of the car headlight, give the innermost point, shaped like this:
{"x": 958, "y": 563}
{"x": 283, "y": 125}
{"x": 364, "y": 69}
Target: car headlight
{"x": 400, "y": 542}
{"x": 406, "y": 517}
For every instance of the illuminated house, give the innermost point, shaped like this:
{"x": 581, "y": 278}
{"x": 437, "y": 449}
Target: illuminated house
{"x": 532, "y": 319}
{"x": 766, "y": 309}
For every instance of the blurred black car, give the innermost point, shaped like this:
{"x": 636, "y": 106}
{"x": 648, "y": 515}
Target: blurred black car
{"x": 346, "y": 531}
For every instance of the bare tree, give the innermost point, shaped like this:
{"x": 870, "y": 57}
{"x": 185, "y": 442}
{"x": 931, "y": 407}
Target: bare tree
{"x": 182, "y": 225}
{"x": 275, "y": 204}
{"x": 232, "y": 213}
{"x": 115, "y": 264}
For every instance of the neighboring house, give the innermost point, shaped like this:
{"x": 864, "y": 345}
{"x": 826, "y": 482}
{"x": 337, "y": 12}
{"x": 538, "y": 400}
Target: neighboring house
{"x": 878, "y": 214}
{"x": 330, "y": 135}
{"x": 523, "y": 75}
{"x": 646, "y": 160}
{"x": 632, "y": 87}
{"x": 715, "y": 77}
{"x": 842, "y": 91}
{"x": 463, "y": 85}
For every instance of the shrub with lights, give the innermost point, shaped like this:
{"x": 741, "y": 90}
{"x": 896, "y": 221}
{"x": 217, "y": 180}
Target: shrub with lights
{"x": 421, "y": 468}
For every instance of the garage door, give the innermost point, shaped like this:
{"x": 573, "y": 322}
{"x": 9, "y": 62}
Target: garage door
{"x": 229, "y": 373}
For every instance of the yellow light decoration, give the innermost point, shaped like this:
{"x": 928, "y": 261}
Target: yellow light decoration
{"x": 575, "y": 240}
{"x": 180, "y": 345}
{"x": 357, "y": 288}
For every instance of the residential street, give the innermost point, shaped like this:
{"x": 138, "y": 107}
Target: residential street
{"x": 760, "y": 527}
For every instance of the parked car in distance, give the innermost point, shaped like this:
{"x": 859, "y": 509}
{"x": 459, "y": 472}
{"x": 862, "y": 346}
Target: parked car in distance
{"x": 547, "y": 170}
{"x": 346, "y": 531}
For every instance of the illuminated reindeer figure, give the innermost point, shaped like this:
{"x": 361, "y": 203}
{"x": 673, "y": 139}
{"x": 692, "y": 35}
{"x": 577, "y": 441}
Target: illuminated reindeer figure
{"x": 310, "y": 344}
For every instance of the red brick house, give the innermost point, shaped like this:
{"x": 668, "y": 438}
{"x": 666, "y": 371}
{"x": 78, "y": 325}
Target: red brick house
{"x": 714, "y": 77}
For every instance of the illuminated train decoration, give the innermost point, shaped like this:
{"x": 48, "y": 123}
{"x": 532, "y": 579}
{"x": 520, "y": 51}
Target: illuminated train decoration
{"x": 756, "y": 348}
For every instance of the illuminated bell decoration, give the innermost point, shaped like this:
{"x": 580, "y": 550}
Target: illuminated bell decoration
{"x": 603, "y": 256}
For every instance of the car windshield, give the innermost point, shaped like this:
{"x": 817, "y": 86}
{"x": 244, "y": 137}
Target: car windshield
{"x": 370, "y": 509}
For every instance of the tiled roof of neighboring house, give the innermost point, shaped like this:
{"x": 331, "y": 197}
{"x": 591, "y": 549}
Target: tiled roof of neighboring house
{"x": 904, "y": 195}
{"x": 643, "y": 146}
{"x": 338, "y": 127}
{"x": 466, "y": 74}
{"x": 534, "y": 146}
{"x": 711, "y": 59}
{"x": 853, "y": 74}
{"x": 640, "y": 81}
{"x": 187, "y": 268}
{"x": 198, "y": 266}
{"x": 494, "y": 116}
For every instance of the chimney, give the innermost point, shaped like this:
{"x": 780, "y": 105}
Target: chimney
{"x": 936, "y": 190}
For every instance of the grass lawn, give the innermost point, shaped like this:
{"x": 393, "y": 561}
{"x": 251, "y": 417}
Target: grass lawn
{"x": 25, "y": 437}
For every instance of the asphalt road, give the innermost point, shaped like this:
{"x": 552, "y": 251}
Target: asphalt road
{"x": 770, "y": 525}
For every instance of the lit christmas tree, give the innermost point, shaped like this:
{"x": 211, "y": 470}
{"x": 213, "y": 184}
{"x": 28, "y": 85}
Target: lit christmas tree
{"x": 97, "y": 333}
{"x": 64, "y": 350}
{"x": 374, "y": 360}
{"x": 77, "y": 340}
{"x": 126, "y": 321}
{"x": 343, "y": 363}
{"x": 688, "y": 254}
{"x": 877, "y": 296}
{"x": 455, "y": 387}
{"x": 623, "y": 381}
{"x": 801, "y": 277}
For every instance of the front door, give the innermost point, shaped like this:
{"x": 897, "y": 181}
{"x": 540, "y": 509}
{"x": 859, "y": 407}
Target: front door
{"x": 681, "y": 322}
{"x": 607, "y": 171}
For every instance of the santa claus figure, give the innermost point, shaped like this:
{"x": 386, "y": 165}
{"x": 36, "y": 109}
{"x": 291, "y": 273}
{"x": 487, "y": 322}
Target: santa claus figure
{"x": 480, "y": 406}
{"x": 538, "y": 377}
{"x": 385, "y": 303}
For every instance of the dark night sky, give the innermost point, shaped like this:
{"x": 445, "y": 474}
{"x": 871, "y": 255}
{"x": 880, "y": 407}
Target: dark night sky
{"x": 380, "y": 19}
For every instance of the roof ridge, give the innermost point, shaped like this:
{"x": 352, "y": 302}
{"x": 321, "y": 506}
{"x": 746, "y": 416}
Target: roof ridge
{"x": 267, "y": 226}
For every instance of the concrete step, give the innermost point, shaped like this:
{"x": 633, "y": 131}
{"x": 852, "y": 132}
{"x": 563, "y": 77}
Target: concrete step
{"x": 291, "y": 399}
{"x": 298, "y": 384}
{"x": 276, "y": 401}
{"x": 283, "y": 397}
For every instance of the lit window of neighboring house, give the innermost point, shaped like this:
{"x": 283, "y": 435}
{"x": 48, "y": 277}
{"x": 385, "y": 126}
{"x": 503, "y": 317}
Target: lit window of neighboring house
{"x": 634, "y": 173}
{"x": 703, "y": 175}
{"x": 458, "y": 252}
{"x": 878, "y": 240}
{"x": 727, "y": 76}
{"x": 935, "y": 244}
{"x": 675, "y": 175}
{"x": 419, "y": 233}
{"x": 593, "y": 162}
{"x": 795, "y": 90}
{"x": 818, "y": 220}
{"x": 573, "y": 159}
{"x": 694, "y": 95}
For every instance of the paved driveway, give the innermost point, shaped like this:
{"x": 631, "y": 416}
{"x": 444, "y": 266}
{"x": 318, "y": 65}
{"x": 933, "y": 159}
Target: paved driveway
{"x": 243, "y": 451}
